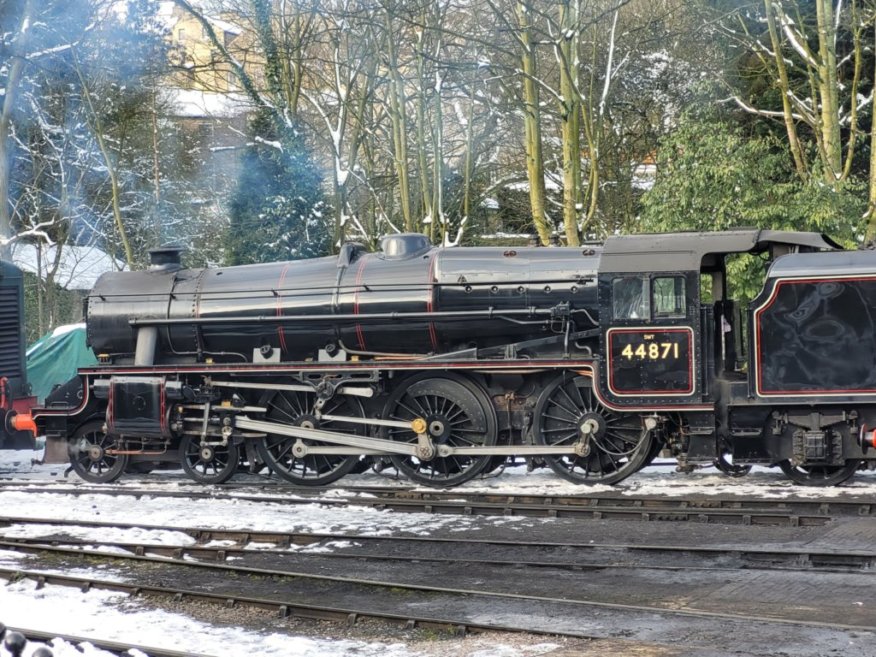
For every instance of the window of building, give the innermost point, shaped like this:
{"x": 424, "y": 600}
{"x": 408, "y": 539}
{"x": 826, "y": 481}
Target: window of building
{"x": 630, "y": 298}
{"x": 205, "y": 132}
{"x": 181, "y": 36}
{"x": 668, "y": 297}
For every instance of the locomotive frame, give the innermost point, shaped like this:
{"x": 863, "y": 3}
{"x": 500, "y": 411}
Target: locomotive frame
{"x": 589, "y": 360}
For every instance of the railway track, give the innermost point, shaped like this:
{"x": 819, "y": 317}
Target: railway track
{"x": 219, "y": 545}
{"x": 459, "y": 502}
{"x": 453, "y": 584}
{"x": 300, "y": 586}
{"x": 308, "y": 594}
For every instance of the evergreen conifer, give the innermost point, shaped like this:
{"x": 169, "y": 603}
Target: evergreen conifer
{"x": 278, "y": 208}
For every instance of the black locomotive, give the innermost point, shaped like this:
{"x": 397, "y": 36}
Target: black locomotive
{"x": 14, "y": 391}
{"x": 589, "y": 360}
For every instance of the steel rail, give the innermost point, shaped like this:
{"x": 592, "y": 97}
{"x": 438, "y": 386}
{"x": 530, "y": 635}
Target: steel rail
{"x": 283, "y": 609}
{"x": 118, "y": 647}
{"x": 826, "y": 507}
{"x": 812, "y": 561}
{"x": 284, "y": 539}
{"x": 654, "y": 509}
{"x": 386, "y": 586}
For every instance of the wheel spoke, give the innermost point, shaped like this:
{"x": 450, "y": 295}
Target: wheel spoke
{"x": 583, "y": 405}
{"x": 576, "y": 410}
{"x": 414, "y": 414}
{"x": 559, "y": 419}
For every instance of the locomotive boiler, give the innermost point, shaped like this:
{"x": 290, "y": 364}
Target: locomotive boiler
{"x": 448, "y": 299}
{"x": 447, "y": 361}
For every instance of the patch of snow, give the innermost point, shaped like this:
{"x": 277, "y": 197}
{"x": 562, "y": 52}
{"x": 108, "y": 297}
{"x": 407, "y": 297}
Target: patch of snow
{"x": 223, "y": 514}
{"x": 106, "y": 534}
{"x": 193, "y": 103}
{"x": 67, "y": 328}
{"x": 501, "y": 235}
{"x": 114, "y": 616}
{"x": 59, "y": 331}
{"x": 551, "y": 184}
{"x": 225, "y": 26}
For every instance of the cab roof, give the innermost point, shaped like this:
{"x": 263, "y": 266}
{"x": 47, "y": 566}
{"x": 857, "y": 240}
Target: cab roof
{"x": 694, "y": 251}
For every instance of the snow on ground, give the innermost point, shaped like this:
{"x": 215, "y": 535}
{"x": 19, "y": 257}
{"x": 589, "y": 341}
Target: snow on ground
{"x": 226, "y": 513}
{"x": 105, "y": 534}
{"x": 663, "y": 480}
{"x": 115, "y": 616}
{"x": 658, "y": 479}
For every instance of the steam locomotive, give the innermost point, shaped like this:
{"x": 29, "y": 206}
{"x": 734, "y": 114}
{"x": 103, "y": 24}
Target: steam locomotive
{"x": 589, "y": 360}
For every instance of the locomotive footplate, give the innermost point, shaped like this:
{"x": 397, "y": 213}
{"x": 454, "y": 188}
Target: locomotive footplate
{"x": 424, "y": 449}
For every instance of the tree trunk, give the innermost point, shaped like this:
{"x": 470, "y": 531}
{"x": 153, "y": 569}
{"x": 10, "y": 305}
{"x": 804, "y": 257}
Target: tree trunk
{"x": 110, "y": 169}
{"x": 532, "y": 123}
{"x": 40, "y": 288}
{"x": 422, "y": 130}
{"x": 263, "y": 18}
{"x": 12, "y": 79}
{"x": 156, "y": 172}
{"x": 570, "y": 117}
{"x": 828, "y": 91}
{"x": 871, "y": 209}
{"x": 438, "y": 164}
{"x": 784, "y": 87}
{"x": 398, "y": 111}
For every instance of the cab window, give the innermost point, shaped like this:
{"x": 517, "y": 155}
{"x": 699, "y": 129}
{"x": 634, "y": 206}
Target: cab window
{"x": 668, "y": 297}
{"x": 630, "y": 298}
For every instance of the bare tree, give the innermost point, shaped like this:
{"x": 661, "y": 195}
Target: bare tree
{"x": 17, "y": 51}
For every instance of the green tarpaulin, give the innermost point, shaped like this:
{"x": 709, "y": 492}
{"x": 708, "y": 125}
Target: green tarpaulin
{"x": 55, "y": 357}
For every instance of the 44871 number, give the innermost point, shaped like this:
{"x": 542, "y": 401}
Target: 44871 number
{"x": 651, "y": 351}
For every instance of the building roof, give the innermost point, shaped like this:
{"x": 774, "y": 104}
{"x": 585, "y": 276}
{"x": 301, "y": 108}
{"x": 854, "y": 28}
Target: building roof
{"x": 79, "y": 268}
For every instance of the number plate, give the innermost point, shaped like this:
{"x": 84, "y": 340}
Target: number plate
{"x": 650, "y": 362}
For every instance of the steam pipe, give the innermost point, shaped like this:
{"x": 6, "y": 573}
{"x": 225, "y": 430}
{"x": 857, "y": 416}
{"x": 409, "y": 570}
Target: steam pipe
{"x": 147, "y": 340}
{"x": 291, "y": 319}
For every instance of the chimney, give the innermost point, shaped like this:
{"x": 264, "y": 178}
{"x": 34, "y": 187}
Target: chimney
{"x": 165, "y": 258}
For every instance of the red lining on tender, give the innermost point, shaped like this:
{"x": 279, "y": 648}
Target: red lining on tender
{"x": 280, "y": 332}
{"x": 757, "y": 327}
{"x": 429, "y": 303}
{"x": 360, "y": 334}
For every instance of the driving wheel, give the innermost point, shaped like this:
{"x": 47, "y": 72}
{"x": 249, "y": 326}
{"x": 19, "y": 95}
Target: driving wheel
{"x": 618, "y": 443}
{"x": 297, "y": 408}
{"x": 457, "y": 413}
